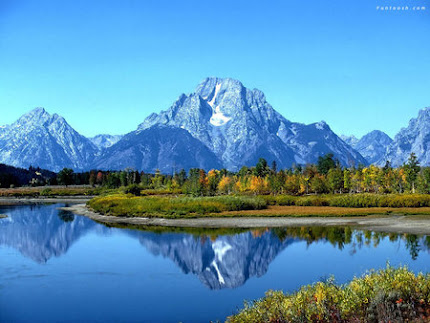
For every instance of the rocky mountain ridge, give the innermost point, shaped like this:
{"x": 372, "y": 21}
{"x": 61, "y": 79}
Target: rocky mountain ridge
{"x": 414, "y": 138}
{"x": 371, "y": 146}
{"x": 222, "y": 124}
{"x": 48, "y": 141}
{"x": 240, "y": 126}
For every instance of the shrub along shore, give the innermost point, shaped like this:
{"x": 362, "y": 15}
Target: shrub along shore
{"x": 280, "y": 205}
{"x": 387, "y": 295}
{"x": 128, "y": 205}
{"x": 50, "y": 191}
{"x": 352, "y": 200}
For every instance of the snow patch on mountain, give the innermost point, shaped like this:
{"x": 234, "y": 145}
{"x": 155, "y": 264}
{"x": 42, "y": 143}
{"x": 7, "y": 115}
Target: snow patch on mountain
{"x": 220, "y": 248}
{"x": 218, "y": 272}
{"x": 218, "y": 118}
{"x": 247, "y": 256}
{"x": 212, "y": 101}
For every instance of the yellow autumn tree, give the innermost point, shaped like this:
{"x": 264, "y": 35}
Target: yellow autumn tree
{"x": 225, "y": 185}
{"x": 242, "y": 184}
{"x": 257, "y": 184}
{"x": 292, "y": 184}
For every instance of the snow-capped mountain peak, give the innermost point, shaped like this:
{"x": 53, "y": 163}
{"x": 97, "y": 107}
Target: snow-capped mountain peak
{"x": 240, "y": 126}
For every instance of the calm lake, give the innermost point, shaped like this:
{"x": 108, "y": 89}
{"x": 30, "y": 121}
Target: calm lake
{"x": 57, "y": 266}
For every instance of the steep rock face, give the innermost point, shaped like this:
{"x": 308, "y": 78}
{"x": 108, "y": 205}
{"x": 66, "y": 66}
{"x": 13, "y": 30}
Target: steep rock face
{"x": 160, "y": 147}
{"x": 44, "y": 140}
{"x": 373, "y": 146}
{"x": 239, "y": 126}
{"x": 350, "y": 140}
{"x": 314, "y": 140}
{"x": 414, "y": 138}
{"x": 105, "y": 141}
{"x": 227, "y": 262}
{"x": 235, "y": 123}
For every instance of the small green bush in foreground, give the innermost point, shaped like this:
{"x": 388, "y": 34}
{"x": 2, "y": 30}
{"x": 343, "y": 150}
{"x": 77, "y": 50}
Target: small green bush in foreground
{"x": 387, "y": 295}
{"x": 128, "y": 205}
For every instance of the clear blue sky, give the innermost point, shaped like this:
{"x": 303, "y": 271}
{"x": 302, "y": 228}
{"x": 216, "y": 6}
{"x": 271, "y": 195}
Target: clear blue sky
{"x": 106, "y": 65}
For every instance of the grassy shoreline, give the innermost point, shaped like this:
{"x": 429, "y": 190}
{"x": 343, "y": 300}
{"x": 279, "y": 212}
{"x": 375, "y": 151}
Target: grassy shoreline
{"x": 380, "y": 223}
{"x": 390, "y": 294}
{"x": 177, "y": 207}
{"x": 49, "y": 191}
{"x": 127, "y": 205}
{"x": 325, "y": 211}
{"x": 173, "y": 204}
{"x": 362, "y": 200}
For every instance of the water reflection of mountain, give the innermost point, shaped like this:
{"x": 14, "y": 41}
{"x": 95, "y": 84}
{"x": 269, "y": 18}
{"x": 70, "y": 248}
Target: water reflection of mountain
{"x": 41, "y": 232}
{"x": 228, "y": 261}
{"x": 224, "y": 262}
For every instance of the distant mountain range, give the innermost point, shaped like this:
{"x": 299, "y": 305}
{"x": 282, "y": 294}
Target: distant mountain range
{"x": 221, "y": 125}
{"x": 372, "y": 146}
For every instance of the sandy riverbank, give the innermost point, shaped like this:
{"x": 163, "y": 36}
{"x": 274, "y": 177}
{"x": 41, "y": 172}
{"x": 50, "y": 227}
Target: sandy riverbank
{"x": 393, "y": 223}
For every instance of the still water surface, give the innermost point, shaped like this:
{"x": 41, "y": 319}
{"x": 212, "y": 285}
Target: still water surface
{"x": 57, "y": 266}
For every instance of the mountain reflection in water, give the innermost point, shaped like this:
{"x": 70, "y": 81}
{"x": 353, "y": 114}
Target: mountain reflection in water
{"x": 219, "y": 258}
{"x": 41, "y": 232}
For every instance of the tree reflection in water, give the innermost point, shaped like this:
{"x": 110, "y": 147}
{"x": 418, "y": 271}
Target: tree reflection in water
{"x": 341, "y": 236}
